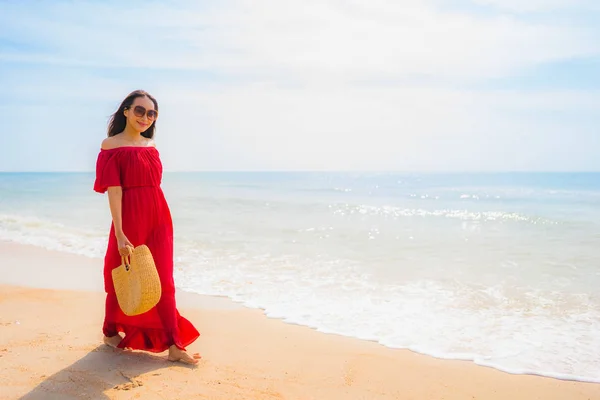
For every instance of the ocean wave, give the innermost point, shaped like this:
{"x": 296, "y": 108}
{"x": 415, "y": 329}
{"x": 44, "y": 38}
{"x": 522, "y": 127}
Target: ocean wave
{"x": 488, "y": 325}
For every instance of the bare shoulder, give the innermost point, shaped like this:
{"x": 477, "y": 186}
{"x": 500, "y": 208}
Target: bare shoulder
{"x": 110, "y": 143}
{"x": 116, "y": 141}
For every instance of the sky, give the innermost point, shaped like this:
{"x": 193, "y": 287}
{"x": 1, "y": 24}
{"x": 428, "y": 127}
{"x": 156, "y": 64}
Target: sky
{"x": 412, "y": 85}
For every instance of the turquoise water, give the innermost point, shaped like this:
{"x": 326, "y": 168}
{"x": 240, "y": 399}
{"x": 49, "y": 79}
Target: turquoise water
{"x": 502, "y": 269}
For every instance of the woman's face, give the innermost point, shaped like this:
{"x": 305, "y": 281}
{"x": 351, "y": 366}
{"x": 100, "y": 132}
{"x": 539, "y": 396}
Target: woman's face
{"x": 141, "y": 114}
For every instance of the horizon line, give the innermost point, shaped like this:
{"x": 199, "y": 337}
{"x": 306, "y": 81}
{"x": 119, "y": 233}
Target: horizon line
{"x": 331, "y": 171}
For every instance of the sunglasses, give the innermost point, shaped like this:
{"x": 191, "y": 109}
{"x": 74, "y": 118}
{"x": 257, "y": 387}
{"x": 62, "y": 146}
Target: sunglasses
{"x": 140, "y": 111}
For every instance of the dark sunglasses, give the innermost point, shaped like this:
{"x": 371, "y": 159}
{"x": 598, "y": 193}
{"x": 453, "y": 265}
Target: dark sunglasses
{"x": 140, "y": 111}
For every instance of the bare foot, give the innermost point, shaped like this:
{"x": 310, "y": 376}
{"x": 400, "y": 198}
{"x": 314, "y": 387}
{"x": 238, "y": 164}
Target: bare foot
{"x": 112, "y": 341}
{"x": 178, "y": 355}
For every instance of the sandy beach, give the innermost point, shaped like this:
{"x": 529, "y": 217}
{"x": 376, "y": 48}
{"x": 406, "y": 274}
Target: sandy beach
{"x": 51, "y": 309}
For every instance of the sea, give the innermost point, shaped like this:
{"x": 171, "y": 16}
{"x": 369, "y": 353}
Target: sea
{"x": 502, "y": 269}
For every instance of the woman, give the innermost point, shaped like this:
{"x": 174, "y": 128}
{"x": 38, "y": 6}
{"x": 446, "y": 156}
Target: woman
{"x": 130, "y": 170}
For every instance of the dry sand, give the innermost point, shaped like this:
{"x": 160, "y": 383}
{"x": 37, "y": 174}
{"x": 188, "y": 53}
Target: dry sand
{"x": 51, "y": 310}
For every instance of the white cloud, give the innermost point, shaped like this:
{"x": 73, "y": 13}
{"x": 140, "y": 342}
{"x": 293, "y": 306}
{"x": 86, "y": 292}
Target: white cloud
{"x": 415, "y": 128}
{"x": 313, "y": 84}
{"x": 308, "y": 39}
{"x": 387, "y": 39}
{"x": 529, "y": 6}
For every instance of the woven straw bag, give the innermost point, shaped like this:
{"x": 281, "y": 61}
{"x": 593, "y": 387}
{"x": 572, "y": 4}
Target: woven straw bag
{"x": 136, "y": 282}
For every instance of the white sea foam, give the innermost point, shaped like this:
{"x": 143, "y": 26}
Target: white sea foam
{"x": 512, "y": 327}
{"x": 536, "y": 333}
{"x": 52, "y": 235}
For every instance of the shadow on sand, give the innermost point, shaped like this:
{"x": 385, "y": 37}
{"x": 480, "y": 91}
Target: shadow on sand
{"x": 100, "y": 370}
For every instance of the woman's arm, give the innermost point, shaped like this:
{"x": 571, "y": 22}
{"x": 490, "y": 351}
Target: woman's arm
{"x": 115, "y": 196}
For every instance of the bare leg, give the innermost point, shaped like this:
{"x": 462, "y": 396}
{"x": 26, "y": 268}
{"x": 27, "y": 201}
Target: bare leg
{"x": 178, "y": 355}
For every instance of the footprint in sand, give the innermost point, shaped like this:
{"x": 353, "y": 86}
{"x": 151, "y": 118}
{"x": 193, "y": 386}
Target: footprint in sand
{"x": 132, "y": 384}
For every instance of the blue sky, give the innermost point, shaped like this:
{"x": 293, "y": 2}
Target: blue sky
{"x": 418, "y": 85}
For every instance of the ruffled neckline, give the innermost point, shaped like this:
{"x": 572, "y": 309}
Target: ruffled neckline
{"x": 130, "y": 147}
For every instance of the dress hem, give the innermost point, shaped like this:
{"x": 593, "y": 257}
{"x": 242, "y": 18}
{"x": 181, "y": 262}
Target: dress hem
{"x": 154, "y": 340}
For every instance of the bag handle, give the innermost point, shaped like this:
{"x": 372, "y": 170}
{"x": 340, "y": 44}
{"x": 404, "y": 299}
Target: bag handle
{"x": 127, "y": 262}
{"x": 127, "y": 259}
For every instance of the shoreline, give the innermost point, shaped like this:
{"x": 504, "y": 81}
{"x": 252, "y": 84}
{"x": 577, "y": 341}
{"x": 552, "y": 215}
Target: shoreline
{"x": 85, "y": 274}
{"x": 246, "y": 354}
{"x": 88, "y": 280}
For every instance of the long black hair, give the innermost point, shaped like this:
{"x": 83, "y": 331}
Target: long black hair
{"x": 118, "y": 121}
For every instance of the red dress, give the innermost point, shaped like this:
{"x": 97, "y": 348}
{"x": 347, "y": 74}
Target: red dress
{"x": 146, "y": 220}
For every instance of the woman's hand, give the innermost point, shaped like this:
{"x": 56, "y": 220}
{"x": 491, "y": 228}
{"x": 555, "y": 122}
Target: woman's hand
{"x": 124, "y": 245}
